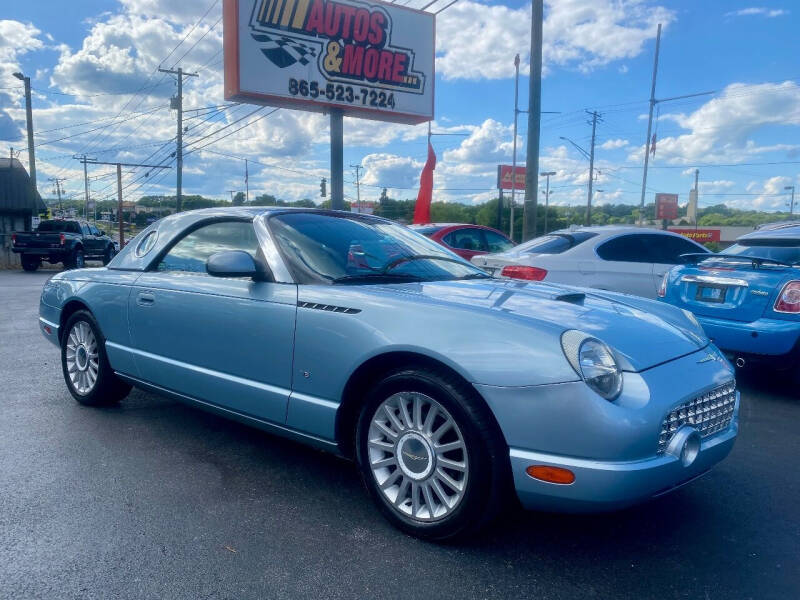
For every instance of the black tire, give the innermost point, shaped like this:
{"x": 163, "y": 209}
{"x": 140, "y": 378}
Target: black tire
{"x": 76, "y": 260}
{"x": 109, "y": 254}
{"x": 107, "y": 388}
{"x": 30, "y": 263}
{"x": 488, "y": 479}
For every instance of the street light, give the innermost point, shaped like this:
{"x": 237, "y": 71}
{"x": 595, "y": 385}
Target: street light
{"x": 791, "y": 206}
{"x": 29, "y": 118}
{"x": 546, "y": 197}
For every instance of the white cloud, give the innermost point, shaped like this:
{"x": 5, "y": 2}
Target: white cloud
{"x": 614, "y": 144}
{"x": 390, "y": 170}
{"x": 478, "y": 41}
{"x": 16, "y": 39}
{"x": 722, "y": 129}
{"x": 759, "y": 11}
{"x": 488, "y": 143}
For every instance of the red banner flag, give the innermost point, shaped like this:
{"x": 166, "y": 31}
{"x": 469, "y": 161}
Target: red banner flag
{"x": 422, "y": 209}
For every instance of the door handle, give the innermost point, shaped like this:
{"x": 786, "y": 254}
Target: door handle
{"x": 145, "y": 299}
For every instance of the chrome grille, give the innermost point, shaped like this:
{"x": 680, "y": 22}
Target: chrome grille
{"x": 708, "y": 413}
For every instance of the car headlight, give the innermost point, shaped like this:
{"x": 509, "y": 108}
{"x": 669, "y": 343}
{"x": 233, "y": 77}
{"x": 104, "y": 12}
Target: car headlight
{"x": 594, "y": 362}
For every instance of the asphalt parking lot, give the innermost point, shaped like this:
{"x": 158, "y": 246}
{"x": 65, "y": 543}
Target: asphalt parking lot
{"x": 153, "y": 499}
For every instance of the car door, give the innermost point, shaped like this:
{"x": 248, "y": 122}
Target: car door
{"x": 227, "y": 341}
{"x": 466, "y": 242}
{"x": 96, "y": 244}
{"x": 625, "y": 266}
{"x": 88, "y": 240}
{"x": 666, "y": 252}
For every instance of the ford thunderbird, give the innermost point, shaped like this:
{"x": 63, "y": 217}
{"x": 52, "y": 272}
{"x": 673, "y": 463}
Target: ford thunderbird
{"x": 450, "y": 389}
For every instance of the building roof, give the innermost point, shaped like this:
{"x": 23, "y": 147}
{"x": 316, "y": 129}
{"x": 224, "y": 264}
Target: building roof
{"x": 16, "y": 192}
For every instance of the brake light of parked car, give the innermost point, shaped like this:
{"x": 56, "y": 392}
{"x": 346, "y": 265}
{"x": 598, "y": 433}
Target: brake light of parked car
{"x": 63, "y": 238}
{"x": 662, "y": 289}
{"x": 789, "y": 299}
{"x": 522, "y": 272}
{"x": 13, "y": 239}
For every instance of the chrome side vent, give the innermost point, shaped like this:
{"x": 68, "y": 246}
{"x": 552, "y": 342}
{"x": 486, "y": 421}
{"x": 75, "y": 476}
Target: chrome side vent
{"x": 329, "y": 308}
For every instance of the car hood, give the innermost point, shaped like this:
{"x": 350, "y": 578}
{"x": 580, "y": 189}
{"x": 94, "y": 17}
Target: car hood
{"x": 644, "y": 333}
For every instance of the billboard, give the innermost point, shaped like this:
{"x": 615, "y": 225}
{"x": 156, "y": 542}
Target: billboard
{"x": 699, "y": 235}
{"x": 504, "y": 178}
{"x": 667, "y": 206}
{"x": 370, "y": 59}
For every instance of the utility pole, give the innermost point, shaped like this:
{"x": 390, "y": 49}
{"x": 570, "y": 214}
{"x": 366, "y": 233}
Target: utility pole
{"x": 58, "y": 190}
{"x": 246, "y": 183}
{"x": 791, "y": 206}
{"x": 595, "y": 116}
{"x": 534, "y": 121}
{"x": 82, "y": 158}
{"x": 358, "y": 187}
{"x": 119, "y": 187}
{"x": 514, "y": 151}
{"x": 29, "y": 119}
{"x": 649, "y": 125}
{"x": 178, "y": 104}
{"x": 547, "y": 197}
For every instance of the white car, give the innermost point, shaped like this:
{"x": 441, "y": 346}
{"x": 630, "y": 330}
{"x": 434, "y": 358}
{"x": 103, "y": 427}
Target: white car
{"x": 625, "y": 259}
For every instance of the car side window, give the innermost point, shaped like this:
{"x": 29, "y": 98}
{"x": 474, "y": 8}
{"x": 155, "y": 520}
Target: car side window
{"x": 190, "y": 254}
{"x": 625, "y": 248}
{"x": 465, "y": 239}
{"x": 85, "y": 229}
{"x": 73, "y": 227}
{"x": 94, "y": 231}
{"x": 667, "y": 249}
{"x": 496, "y": 242}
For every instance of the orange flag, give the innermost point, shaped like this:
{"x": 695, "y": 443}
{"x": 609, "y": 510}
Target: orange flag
{"x": 422, "y": 209}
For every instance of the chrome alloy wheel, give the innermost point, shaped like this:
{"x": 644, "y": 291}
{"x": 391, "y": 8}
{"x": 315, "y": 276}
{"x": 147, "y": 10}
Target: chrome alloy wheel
{"x": 83, "y": 361}
{"x": 417, "y": 456}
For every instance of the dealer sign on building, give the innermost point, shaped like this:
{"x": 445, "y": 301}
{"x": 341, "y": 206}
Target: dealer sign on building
{"x": 371, "y": 59}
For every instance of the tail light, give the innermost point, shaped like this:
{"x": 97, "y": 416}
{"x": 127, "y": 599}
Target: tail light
{"x": 13, "y": 238}
{"x": 789, "y": 299}
{"x": 662, "y": 289}
{"x": 62, "y": 237}
{"x": 522, "y": 272}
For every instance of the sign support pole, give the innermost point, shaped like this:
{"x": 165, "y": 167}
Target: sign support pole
{"x": 337, "y": 159}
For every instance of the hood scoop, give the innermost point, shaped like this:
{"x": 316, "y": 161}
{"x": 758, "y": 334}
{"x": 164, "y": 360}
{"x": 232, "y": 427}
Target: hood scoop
{"x": 572, "y": 298}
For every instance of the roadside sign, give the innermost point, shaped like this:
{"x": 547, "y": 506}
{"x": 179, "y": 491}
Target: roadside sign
{"x": 667, "y": 206}
{"x": 699, "y": 235}
{"x": 504, "y": 178}
{"x": 370, "y": 59}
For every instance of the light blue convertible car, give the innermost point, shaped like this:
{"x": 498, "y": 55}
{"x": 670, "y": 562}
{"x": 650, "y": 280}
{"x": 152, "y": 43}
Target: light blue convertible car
{"x": 357, "y": 335}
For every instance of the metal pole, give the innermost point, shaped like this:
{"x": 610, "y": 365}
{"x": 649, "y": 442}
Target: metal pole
{"x": 500, "y": 210}
{"x": 337, "y": 159}
{"x": 119, "y": 206}
{"x": 179, "y": 181}
{"x": 246, "y": 183}
{"x": 534, "y": 118}
{"x": 547, "y": 198}
{"x": 514, "y": 152}
{"x": 29, "y": 119}
{"x": 591, "y": 171}
{"x": 358, "y": 188}
{"x": 649, "y": 125}
{"x": 85, "y": 189}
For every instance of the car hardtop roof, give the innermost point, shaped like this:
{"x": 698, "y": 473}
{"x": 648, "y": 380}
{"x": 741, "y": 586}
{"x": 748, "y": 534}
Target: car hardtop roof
{"x": 611, "y": 230}
{"x": 255, "y": 211}
{"x": 786, "y": 231}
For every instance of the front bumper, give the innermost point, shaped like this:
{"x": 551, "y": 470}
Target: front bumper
{"x": 610, "y": 447}
{"x": 762, "y": 337}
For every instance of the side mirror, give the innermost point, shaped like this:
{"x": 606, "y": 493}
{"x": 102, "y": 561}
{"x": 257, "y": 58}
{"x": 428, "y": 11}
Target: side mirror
{"x": 235, "y": 263}
{"x": 101, "y": 232}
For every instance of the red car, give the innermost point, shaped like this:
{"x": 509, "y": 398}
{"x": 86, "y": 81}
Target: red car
{"x": 466, "y": 240}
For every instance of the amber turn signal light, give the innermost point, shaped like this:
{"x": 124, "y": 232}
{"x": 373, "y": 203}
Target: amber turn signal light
{"x": 551, "y": 474}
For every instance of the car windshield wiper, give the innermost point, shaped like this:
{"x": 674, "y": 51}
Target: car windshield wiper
{"x": 404, "y": 259}
{"x": 375, "y": 278}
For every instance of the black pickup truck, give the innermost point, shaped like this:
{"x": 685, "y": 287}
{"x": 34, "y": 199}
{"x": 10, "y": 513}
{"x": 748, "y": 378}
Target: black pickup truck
{"x": 69, "y": 241}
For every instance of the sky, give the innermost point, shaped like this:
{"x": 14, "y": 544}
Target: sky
{"x": 96, "y": 90}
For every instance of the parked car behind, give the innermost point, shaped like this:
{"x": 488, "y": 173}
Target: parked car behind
{"x": 464, "y": 239}
{"x": 616, "y": 258}
{"x": 71, "y": 242}
{"x": 747, "y": 298}
{"x": 448, "y": 387}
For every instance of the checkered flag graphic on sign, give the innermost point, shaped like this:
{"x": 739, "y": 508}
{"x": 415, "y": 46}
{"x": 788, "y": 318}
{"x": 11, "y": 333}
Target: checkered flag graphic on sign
{"x": 284, "y": 51}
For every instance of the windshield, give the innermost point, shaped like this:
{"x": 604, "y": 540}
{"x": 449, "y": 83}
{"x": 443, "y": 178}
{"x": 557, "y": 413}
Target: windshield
{"x": 555, "y": 243}
{"x": 786, "y": 251}
{"x": 326, "y": 248}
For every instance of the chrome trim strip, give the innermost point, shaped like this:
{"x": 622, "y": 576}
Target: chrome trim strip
{"x": 729, "y": 281}
{"x": 218, "y": 374}
{"x": 46, "y": 322}
{"x": 270, "y": 248}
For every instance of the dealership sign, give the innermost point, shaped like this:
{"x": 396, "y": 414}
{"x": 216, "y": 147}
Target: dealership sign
{"x": 369, "y": 59}
{"x": 667, "y": 206}
{"x": 504, "y": 179}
